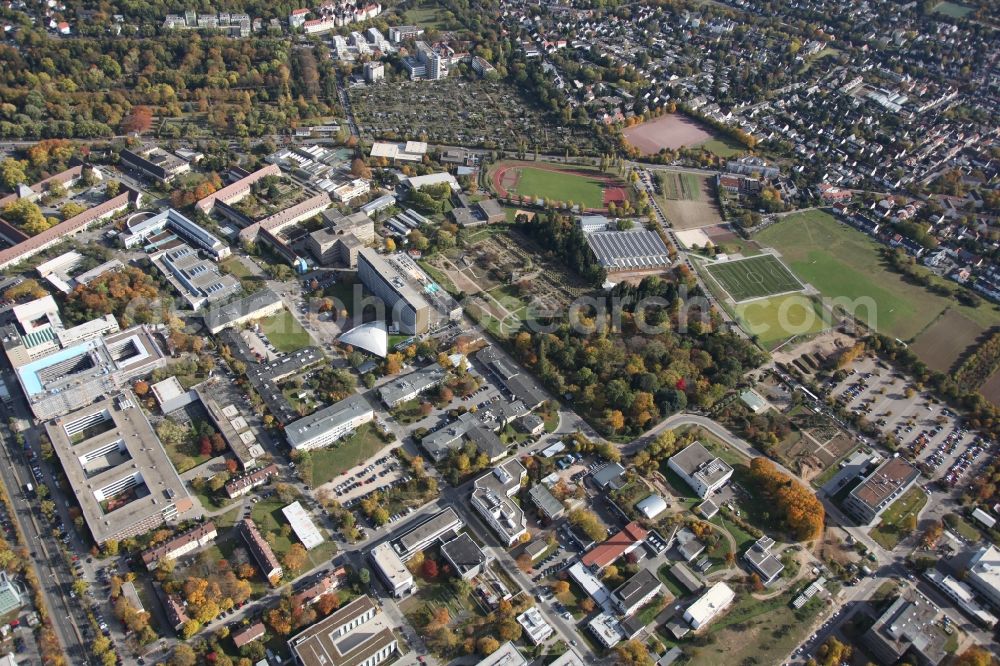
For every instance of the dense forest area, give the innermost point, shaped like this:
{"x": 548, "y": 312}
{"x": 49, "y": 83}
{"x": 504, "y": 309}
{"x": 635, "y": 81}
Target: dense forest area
{"x": 627, "y": 376}
{"x": 87, "y": 88}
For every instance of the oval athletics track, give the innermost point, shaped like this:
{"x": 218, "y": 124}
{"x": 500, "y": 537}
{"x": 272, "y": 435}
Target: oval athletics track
{"x": 506, "y": 177}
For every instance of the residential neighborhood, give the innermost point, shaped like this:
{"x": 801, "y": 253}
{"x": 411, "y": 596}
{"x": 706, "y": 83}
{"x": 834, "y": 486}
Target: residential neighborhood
{"x": 501, "y": 333}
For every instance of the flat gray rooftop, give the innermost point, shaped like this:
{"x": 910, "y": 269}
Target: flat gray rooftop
{"x": 629, "y": 250}
{"x": 105, "y": 468}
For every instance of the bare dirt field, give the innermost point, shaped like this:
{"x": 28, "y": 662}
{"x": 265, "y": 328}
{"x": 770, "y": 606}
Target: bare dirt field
{"x": 694, "y": 205}
{"x": 721, "y": 234}
{"x": 823, "y": 345}
{"x": 694, "y": 237}
{"x": 942, "y": 343}
{"x": 991, "y": 389}
{"x": 671, "y": 130}
{"x": 834, "y": 546}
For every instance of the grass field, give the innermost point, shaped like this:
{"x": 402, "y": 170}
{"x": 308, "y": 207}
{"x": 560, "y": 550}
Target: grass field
{"x": 425, "y": 17}
{"x": 962, "y": 527}
{"x": 685, "y": 186}
{"x": 952, "y": 9}
{"x": 185, "y": 456}
{"x": 945, "y": 341}
{"x": 751, "y": 631}
{"x": 285, "y": 332}
{"x": 682, "y": 186}
{"x": 756, "y": 277}
{"x": 891, "y": 530}
{"x": 560, "y": 186}
{"x": 774, "y": 320}
{"x": 845, "y": 264}
{"x": 236, "y": 268}
{"x": 330, "y": 462}
{"x": 722, "y": 147}
{"x": 269, "y": 519}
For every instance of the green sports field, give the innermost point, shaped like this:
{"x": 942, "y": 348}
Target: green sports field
{"x": 722, "y": 146}
{"x": 843, "y": 263}
{"x": 952, "y": 9}
{"x": 755, "y": 277}
{"x": 560, "y": 186}
{"x": 773, "y": 320}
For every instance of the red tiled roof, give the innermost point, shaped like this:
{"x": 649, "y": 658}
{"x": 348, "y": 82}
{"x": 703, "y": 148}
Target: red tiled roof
{"x": 251, "y": 633}
{"x": 605, "y": 553}
{"x": 227, "y": 193}
{"x": 40, "y": 241}
{"x": 62, "y": 178}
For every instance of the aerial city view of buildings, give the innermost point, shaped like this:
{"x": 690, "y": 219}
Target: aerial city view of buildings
{"x": 500, "y": 333}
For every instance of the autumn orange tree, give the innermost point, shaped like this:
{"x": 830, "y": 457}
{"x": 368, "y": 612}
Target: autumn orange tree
{"x": 140, "y": 120}
{"x": 51, "y": 152}
{"x": 195, "y": 191}
{"x": 127, "y": 294}
{"x": 799, "y": 509}
{"x": 976, "y": 656}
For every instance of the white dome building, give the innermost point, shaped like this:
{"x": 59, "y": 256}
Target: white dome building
{"x": 371, "y": 337}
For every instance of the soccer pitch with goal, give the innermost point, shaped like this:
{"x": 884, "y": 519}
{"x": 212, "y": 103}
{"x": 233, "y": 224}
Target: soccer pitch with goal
{"x": 754, "y": 277}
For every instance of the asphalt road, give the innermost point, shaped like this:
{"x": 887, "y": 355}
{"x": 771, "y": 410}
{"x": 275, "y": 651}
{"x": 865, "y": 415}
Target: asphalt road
{"x": 46, "y": 559}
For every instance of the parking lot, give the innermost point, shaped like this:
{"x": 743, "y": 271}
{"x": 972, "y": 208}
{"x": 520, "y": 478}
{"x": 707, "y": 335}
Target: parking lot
{"x": 260, "y": 345}
{"x": 378, "y": 473}
{"x": 564, "y": 555}
{"x": 924, "y": 428}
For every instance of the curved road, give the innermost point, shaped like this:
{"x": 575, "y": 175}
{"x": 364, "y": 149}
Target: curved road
{"x": 572, "y": 421}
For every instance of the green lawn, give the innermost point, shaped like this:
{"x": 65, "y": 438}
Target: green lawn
{"x": 774, "y": 320}
{"x": 236, "y": 268}
{"x": 670, "y": 582}
{"x": 343, "y": 295}
{"x": 285, "y": 332}
{"x": 845, "y": 264}
{"x": 396, "y": 338}
{"x": 408, "y": 412}
{"x": 334, "y": 460}
{"x": 571, "y": 600}
{"x": 728, "y": 454}
{"x": 550, "y": 415}
{"x": 755, "y": 632}
{"x": 648, "y": 613}
{"x": 885, "y": 591}
{"x": 743, "y": 538}
{"x": 962, "y": 527}
{"x": 755, "y": 277}
{"x": 308, "y": 403}
{"x": 952, "y": 9}
{"x": 438, "y": 276}
{"x": 269, "y": 519}
{"x": 891, "y": 530}
{"x": 228, "y": 518}
{"x": 691, "y": 185}
{"x": 560, "y": 186}
{"x": 425, "y": 17}
{"x": 723, "y": 147}
{"x": 437, "y": 593}
{"x": 185, "y": 456}
{"x": 210, "y": 500}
